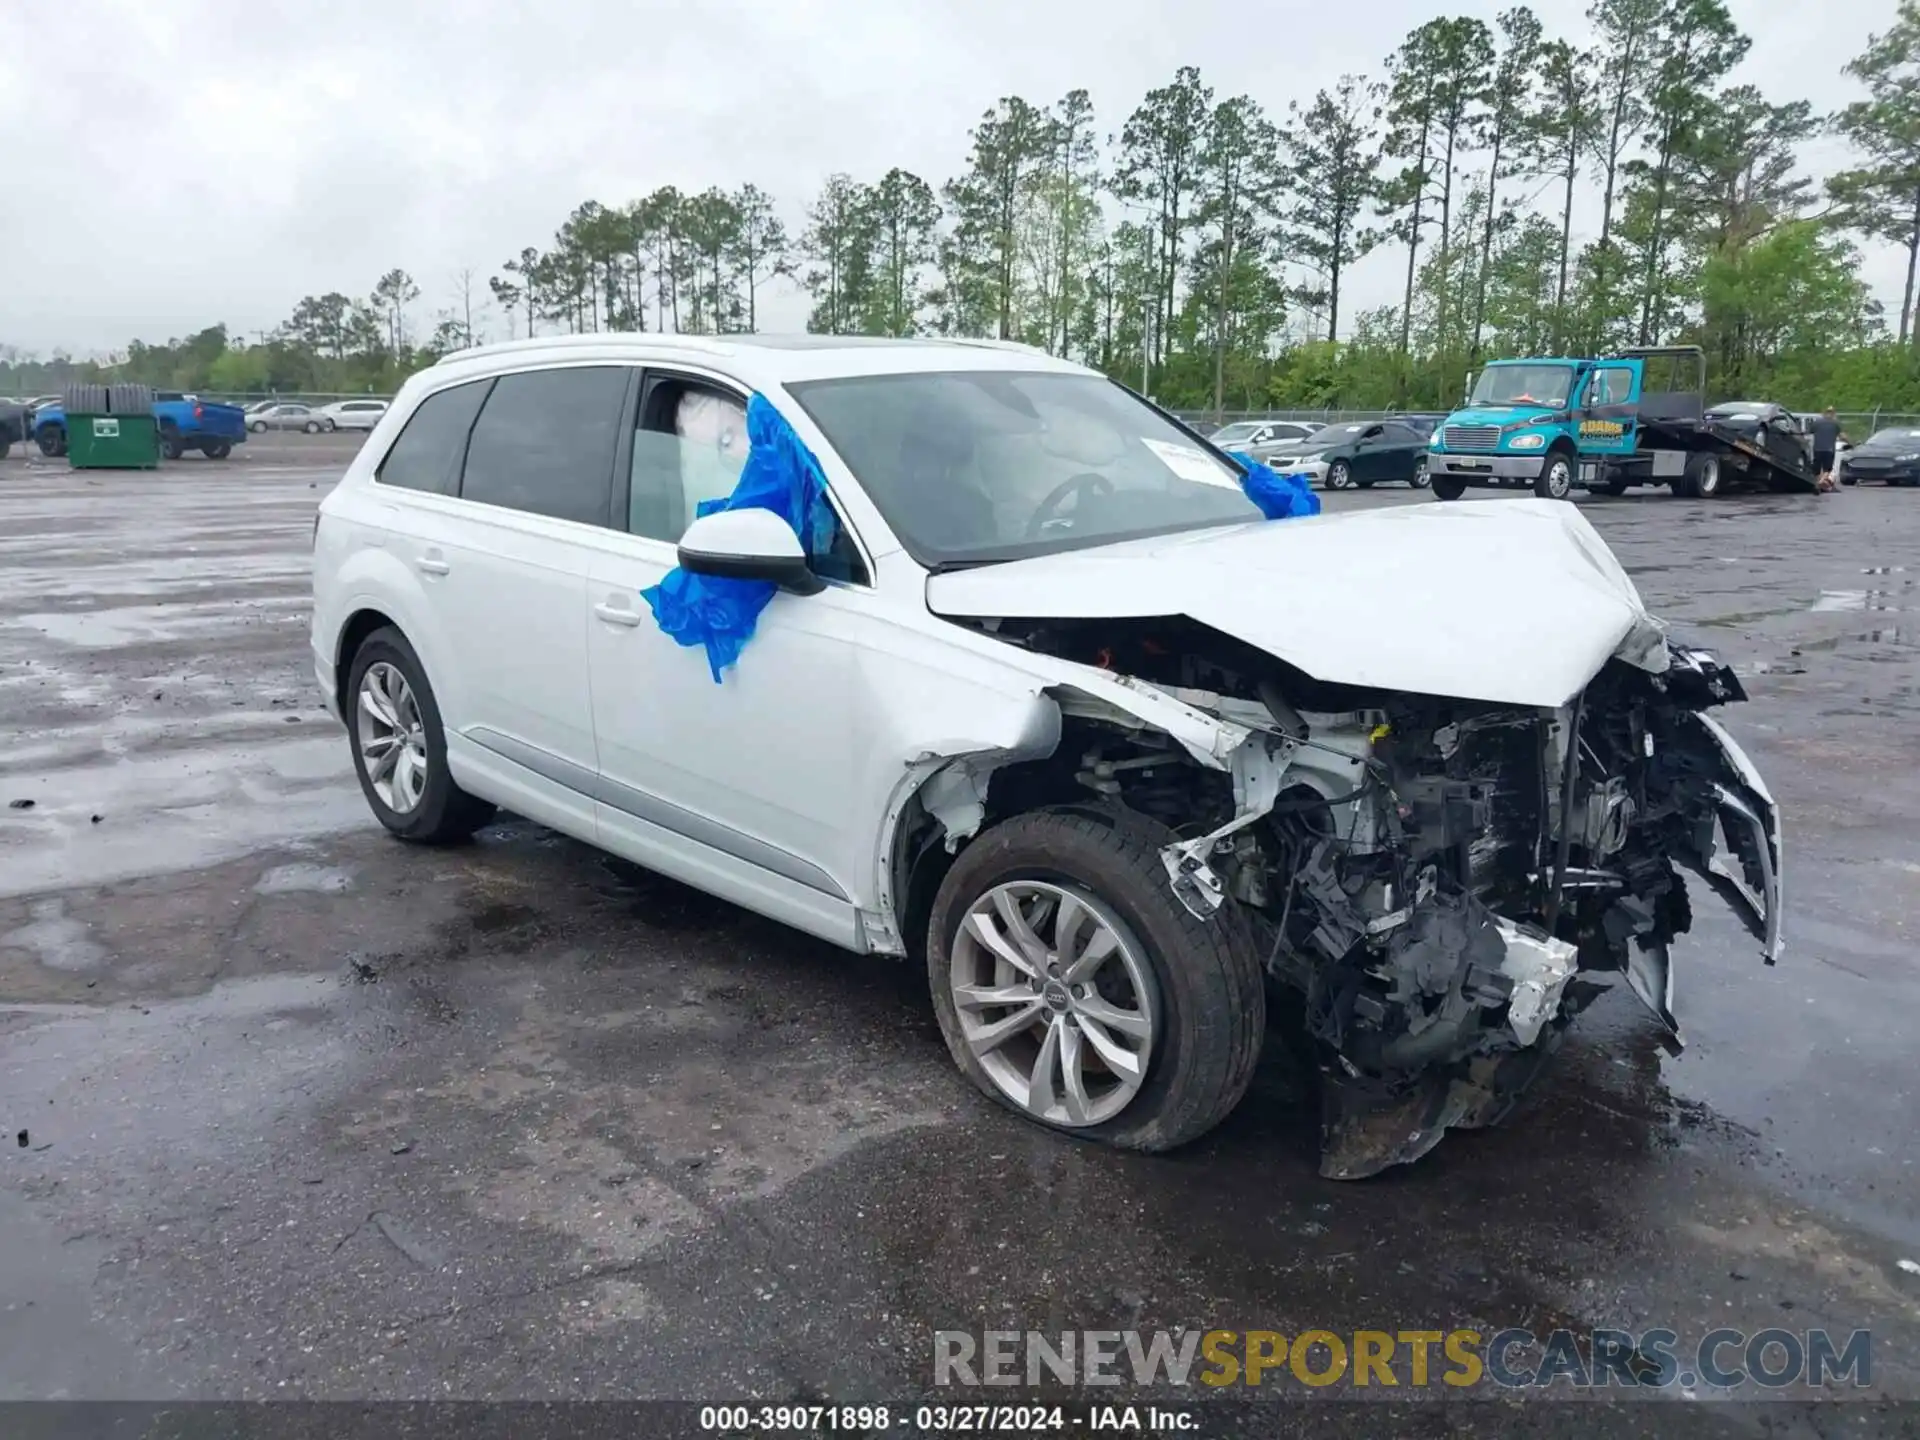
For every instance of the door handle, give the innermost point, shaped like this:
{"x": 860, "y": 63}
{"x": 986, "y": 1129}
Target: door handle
{"x": 617, "y": 614}
{"x": 431, "y": 566}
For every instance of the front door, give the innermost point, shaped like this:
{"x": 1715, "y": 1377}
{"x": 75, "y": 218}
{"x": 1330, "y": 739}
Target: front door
{"x": 1609, "y": 411}
{"x": 746, "y": 786}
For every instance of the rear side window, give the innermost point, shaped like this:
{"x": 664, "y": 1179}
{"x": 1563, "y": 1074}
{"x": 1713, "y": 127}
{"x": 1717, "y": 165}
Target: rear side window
{"x": 544, "y": 443}
{"x": 427, "y": 454}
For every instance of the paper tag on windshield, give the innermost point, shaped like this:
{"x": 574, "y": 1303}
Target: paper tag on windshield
{"x": 1191, "y": 464}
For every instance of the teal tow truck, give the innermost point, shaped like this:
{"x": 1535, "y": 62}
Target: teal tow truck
{"x": 1607, "y": 423}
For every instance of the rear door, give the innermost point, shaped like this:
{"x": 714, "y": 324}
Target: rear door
{"x": 509, "y": 568}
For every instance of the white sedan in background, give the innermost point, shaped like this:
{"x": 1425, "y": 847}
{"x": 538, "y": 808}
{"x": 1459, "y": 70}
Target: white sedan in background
{"x": 353, "y": 414}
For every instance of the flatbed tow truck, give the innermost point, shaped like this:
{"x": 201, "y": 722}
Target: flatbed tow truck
{"x": 1637, "y": 417}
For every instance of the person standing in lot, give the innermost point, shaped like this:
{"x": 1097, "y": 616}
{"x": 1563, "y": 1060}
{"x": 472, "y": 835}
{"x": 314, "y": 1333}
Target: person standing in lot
{"x": 1826, "y": 441}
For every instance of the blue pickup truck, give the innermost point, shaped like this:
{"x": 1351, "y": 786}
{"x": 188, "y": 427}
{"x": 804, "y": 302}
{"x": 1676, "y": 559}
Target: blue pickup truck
{"x": 185, "y": 422}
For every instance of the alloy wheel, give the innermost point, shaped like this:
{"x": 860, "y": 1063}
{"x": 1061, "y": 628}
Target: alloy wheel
{"x": 392, "y": 738}
{"x": 1055, "y": 1002}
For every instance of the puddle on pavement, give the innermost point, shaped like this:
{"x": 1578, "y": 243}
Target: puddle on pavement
{"x": 1746, "y": 617}
{"x": 303, "y": 879}
{"x": 1844, "y": 600}
{"x": 56, "y": 939}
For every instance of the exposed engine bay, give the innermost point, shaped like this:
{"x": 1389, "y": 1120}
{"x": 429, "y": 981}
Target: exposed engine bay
{"x": 1443, "y": 884}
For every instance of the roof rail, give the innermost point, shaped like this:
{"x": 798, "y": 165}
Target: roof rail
{"x": 666, "y": 340}
{"x": 983, "y": 343}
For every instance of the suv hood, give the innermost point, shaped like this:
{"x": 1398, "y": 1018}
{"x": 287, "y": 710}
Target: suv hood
{"x": 1516, "y": 602}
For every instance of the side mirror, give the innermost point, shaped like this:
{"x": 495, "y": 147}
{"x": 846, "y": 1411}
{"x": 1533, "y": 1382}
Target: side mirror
{"x": 748, "y": 545}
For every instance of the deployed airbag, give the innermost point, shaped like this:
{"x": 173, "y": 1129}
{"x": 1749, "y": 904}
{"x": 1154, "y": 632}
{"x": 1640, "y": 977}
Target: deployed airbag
{"x": 1280, "y": 497}
{"x": 780, "y": 475}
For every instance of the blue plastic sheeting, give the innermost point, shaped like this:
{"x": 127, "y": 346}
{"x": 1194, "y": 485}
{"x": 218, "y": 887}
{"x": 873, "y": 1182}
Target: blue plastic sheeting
{"x": 1280, "y": 497}
{"x": 780, "y": 475}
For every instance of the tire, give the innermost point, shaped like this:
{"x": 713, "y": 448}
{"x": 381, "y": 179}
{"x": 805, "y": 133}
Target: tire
{"x": 1420, "y": 479}
{"x": 52, "y": 440}
{"x": 1339, "y": 476}
{"x": 329, "y": 425}
{"x": 217, "y": 450}
{"x": 441, "y": 811}
{"x": 1205, "y": 1001}
{"x": 1555, "y": 480}
{"x": 1448, "y": 487}
{"x": 171, "y": 445}
{"x": 258, "y": 427}
{"x": 1701, "y": 481}
{"x": 313, "y": 427}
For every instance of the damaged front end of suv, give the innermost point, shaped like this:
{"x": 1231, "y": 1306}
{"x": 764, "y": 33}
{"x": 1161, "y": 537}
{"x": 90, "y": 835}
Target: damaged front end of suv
{"x": 1443, "y": 883}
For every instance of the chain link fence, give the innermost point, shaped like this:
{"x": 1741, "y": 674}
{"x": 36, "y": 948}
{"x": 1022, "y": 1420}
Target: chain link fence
{"x": 244, "y": 398}
{"x": 1857, "y": 424}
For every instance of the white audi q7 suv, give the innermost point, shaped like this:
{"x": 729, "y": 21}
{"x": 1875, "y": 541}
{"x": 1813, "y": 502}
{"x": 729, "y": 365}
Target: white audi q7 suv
{"x": 1045, "y": 702}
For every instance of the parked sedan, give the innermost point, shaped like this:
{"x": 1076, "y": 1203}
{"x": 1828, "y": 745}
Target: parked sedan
{"x": 1358, "y": 454}
{"x": 1248, "y": 436}
{"x": 285, "y": 416}
{"x": 352, "y": 414}
{"x": 1891, "y": 455}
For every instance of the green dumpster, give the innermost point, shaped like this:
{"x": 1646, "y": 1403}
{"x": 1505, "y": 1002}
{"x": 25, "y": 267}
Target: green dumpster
{"x": 111, "y": 427}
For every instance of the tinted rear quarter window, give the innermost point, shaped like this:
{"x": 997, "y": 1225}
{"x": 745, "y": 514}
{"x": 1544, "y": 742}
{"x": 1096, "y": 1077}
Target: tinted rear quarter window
{"x": 545, "y": 441}
{"x": 427, "y": 454}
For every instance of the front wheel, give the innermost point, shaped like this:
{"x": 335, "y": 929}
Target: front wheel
{"x": 1072, "y": 986}
{"x": 400, "y": 746}
{"x": 1339, "y": 476}
{"x": 1448, "y": 487}
{"x": 1420, "y": 479}
{"x": 1555, "y": 481}
{"x": 258, "y": 427}
{"x": 313, "y": 427}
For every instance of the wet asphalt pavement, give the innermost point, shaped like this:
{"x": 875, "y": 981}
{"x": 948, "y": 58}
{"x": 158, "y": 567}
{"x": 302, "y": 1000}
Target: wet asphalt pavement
{"x": 291, "y": 1110}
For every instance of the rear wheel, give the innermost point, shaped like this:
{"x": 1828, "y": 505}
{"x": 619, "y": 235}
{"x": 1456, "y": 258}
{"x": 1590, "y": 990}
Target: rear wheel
{"x": 1701, "y": 481}
{"x": 1555, "y": 480}
{"x": 1075, "y": 989}
{"x": 52, "y": 440}
{"x": 400, "y": 747}
{"x": 218, "y": 450}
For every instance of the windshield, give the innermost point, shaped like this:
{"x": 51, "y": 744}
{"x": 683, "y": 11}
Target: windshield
{"x": 1333, "y": 435}
{"x": 1239, "y": 430}
{"x": 1523, "y": 385}
{"x": 975, "y": 466}
{"x": 1896, "y": 436}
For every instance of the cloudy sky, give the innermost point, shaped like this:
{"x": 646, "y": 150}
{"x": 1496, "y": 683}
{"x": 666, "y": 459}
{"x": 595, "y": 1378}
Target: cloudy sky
{"x": 173, "y": 163}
